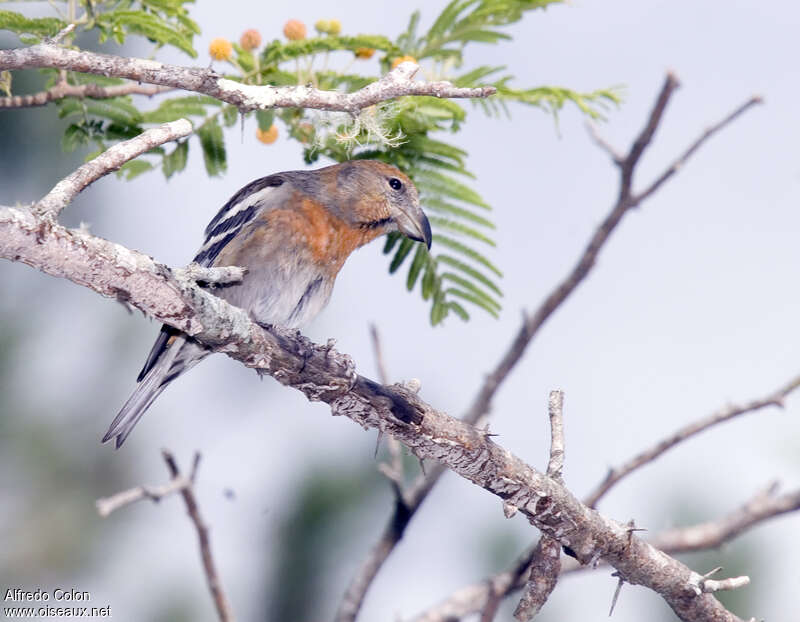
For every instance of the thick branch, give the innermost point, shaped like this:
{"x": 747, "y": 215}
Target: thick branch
{"x": 110, "y": 160}
{"x": 396, "y": 83}
{"x": 323, "y": 374}
{"x": 775, "y": 398}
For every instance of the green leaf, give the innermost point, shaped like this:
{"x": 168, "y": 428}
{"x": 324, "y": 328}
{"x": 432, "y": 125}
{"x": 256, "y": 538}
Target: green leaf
{"x": 402, "y": 252}
{"x": 116, "y": 109}
{"x": 229, "y": 115}
{"x": 406, "y": 40}
{"x": 117, "y": 23}
{"x": 429, "y": 281}
{"x": 472, "y": 272}
{"x": 439, "y": 309}
{"x": 179, "y": 107}
{"x": 476, "y": 300}
{"x": 391, "y": 239}
{"x": 74, "y": 136}
{"x": 439, "y": 183}
{"x": 422, "y": 143}
{"x": 279, "y": 51}
{"x": 213, "y": 144}
{"x": 472, "y": 288}
{"x": 465, "y": 250}
{"x": 38, "y": 26}
{"x": 458, "y": 310}
{"x": 457, "y": 227}
{"x": 5, "y": 82}
{"x": 447, "y": 17}
{"x": 265, "y": 119}
{"x": 440, "y": 205}
{"x": 176, "y": 161}
{"x": 421, "y": 258}
{"x": 134, "y": 168}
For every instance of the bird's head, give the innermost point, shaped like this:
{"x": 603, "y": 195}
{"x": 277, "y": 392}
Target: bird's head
{"x": 376, "y": 197}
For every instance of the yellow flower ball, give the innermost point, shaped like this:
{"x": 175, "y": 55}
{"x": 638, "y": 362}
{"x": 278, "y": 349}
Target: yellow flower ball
{"x": 334, "y": 27}
{"x": 267, "y": 136}
{"x": 220, "y": 49}
{"x": 402, "y": 59}
{"x": 250, "y": 39}
{"x": 364, "y": 53}
{"x": 322, "y": 25}
{"x": 295, "y": 30}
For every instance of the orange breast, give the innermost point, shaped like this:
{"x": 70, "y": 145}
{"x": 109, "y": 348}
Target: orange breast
{"x": 329, "y": 238}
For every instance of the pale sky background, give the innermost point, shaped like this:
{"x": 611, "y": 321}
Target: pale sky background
{"x": 694, "y": 304}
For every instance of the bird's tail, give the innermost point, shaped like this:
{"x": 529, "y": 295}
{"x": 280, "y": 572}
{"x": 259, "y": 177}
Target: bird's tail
{"x": 180, "y": 356}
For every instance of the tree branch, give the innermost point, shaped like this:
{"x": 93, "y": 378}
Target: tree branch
{"x": 763, "y": 506}
{"x": 107, "y": 505}
{"x": 110, "y": 160}
{"x": 404, "y": 501}
{"x": 245, "y": 97}
{"x": 185, "y": 486}
{"x": 472, "y": 599}
{"x": 95, "y": 91}
{"x": 323, "y": 374}
{"x": 530, "y": 326}
{"x": 545, "y": 565}
{"x": 625, "y": 202}
{"x": 775, "y": 398}
{"x": 677, "y": 164}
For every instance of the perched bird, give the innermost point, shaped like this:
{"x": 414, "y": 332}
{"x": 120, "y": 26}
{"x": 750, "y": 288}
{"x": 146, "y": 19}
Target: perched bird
{"x": 293, "y": 232}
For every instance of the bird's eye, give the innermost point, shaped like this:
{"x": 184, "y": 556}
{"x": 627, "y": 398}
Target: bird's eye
{"x": 395, "y": 183}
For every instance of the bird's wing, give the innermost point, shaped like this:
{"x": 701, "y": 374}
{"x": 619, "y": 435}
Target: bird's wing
{"x": 237, "y": 212}
{"x": 243, "y": 206}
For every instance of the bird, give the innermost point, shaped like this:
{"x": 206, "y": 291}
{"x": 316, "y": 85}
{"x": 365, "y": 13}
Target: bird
{"x": 292, "y": 231}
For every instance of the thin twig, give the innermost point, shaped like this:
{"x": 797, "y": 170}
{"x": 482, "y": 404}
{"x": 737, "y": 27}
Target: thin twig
{"x": 677, "y": 164}
{"x": 220, "y": 275}
{"x": 212, "y": 577}
{"x": 776, "y": 398}
{"x": 377, "y": 350}
{"x": 110, "y": 160}
{"x": 356, "y": 591}
{"x": 712, "y": 534}
{"x": 63, "y": 33}
{"x": 702, "y": 584}
{"x": 245, "y": 97}
{"x": 95, "y": 91}
{"x": 107, "y": 505}
{"x": 606, "y": 146}
{"x": 555, "y": 412}
{"x": 545, "y": 565}
{"x": 625, "y": 202}
{"x": 185, "y": 486}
